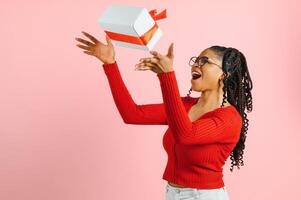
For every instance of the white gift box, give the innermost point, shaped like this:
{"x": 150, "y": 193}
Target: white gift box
{"x": 132, "y": 26}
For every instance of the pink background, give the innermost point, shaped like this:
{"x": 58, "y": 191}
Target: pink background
{"x": 62, "y": 138}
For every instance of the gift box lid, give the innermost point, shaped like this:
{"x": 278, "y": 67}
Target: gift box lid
{"x": 130, "y": 20}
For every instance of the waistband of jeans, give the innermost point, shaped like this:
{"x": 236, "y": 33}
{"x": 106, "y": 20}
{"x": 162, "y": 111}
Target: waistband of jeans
{"x": 180, "y": 188}
{"x": 189, "y": 188}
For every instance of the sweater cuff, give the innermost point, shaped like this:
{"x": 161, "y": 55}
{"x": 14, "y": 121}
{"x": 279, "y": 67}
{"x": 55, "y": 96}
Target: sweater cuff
{"x": 110, "y": 67}
{"x": 165, "y": 75}
{"x": 109, "y": 64}
{"x": 170, "y": 75}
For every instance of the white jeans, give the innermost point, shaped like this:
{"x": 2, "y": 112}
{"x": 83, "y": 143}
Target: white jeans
{"x": 177, "y": 193}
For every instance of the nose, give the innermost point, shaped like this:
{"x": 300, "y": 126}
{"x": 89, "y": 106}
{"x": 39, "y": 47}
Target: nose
{"x": 197, "y": 66}
{"x": 194, "y": 65}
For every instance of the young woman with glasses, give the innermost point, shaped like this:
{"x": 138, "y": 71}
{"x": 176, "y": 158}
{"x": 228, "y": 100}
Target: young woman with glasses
{"x": 202, "y": 131}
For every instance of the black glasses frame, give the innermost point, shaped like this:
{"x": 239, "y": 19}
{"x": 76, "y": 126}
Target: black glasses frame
{"x": 201, "y": 60}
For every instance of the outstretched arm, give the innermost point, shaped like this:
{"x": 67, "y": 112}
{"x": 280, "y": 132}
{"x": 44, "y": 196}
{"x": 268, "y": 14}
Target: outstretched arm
{"x": 131, "y": 113}
{"x": 222, "y": 126}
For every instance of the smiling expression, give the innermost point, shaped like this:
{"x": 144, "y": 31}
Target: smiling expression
{"x": 208, "y": 75}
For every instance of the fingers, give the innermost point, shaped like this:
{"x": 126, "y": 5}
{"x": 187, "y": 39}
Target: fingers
{"x": 109, "y": 41}
{"x": 149, "y": 59}
{"x": 90, "y": 37}
{"x": 89, "y": 53}
{"x": 156, "y": 54}
{"x": 145, "y": 66}
{"x": 85, "y": 42}
{"x": 84, "y": 47}
{"x": 170, "y": 51}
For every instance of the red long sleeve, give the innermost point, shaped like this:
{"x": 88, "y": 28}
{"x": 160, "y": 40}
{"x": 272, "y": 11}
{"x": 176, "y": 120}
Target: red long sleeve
{"x": 131, "y": 113}
{"x": 213, "y": 129}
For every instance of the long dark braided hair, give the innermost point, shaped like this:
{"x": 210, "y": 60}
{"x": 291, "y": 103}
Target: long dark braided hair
{"x": 237, "y": 90}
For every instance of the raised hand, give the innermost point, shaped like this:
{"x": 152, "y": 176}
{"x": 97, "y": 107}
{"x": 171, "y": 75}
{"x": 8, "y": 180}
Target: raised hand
{"x": 104, "y": 52}
{"x": 158, "y": 63}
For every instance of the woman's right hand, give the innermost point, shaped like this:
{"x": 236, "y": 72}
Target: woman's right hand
{"x": 105, "y": 53}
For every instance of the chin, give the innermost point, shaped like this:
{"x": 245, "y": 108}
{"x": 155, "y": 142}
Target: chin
{"x": 196, "y": 89}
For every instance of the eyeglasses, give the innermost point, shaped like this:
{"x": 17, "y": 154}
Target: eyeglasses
{"x": 200, "y": 61}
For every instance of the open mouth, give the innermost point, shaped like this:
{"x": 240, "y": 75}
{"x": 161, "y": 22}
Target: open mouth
{"x": 195, "y": 75}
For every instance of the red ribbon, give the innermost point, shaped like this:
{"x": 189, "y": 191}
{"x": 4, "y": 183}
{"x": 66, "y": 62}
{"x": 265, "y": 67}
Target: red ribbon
{"x": 143, "y": 39}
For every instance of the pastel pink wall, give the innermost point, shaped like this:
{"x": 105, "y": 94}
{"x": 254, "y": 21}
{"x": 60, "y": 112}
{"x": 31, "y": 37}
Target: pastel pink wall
{"x": 61, "y": 136}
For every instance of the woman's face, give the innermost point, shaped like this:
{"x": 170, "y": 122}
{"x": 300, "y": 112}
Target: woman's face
{"x": 211, "y": 73}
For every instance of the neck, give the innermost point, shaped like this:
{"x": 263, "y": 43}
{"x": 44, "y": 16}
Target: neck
{"x": 211, "y": 99}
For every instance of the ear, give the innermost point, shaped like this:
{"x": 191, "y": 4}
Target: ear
{"x": 223, "y": 76}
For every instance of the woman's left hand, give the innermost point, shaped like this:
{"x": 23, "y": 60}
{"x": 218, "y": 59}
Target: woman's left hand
{"x": 158, "y": 63}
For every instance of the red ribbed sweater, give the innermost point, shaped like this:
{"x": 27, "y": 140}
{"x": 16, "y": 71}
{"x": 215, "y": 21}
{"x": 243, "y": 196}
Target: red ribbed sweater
{"x": 196, "y": 150}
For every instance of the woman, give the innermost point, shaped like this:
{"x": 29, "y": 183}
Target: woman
{"x": 202, "y": 132}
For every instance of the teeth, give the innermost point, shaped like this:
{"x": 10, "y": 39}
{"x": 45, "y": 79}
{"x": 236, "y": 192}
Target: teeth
{"x": 195, "y": 73}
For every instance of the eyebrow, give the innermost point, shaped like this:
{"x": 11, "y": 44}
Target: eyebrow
{"x": 207, "y": 57}
{"x": 212, "y": 61}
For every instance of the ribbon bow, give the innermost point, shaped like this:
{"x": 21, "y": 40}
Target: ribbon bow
{"x": 161, "y": 15}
